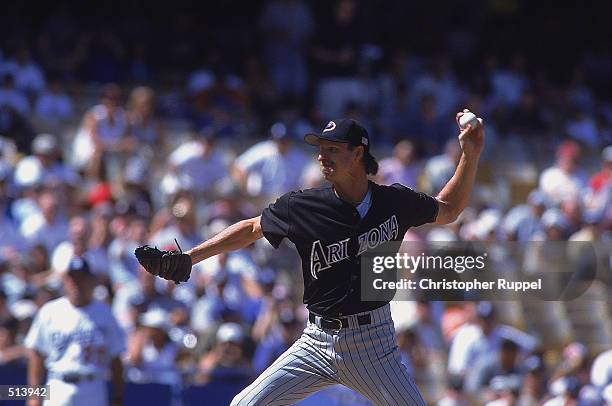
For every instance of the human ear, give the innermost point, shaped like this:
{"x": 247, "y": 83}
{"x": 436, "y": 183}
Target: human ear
{"x": 358, "y": 152}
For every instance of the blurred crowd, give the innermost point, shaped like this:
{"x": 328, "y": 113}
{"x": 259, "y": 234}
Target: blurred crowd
{"x": 96, "y": 170}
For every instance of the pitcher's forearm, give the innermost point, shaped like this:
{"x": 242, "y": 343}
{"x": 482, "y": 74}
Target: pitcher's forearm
{"x": 457, "y": 191}
{"x": 236, "y": 236}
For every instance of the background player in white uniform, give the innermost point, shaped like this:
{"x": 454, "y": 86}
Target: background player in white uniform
{"x": 78, "y": 341}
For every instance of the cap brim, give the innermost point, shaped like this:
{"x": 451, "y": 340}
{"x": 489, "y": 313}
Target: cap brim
{"x": 313, "y": 139}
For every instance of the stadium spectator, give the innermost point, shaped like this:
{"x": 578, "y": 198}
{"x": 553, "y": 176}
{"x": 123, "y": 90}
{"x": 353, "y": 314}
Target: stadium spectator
{"x": 140, "y": 70}
{"x": 8, "y": 151}
{"x": 11, "y": 353}
{"x": 123, "y": 266}
{"x": 275, "y": 298}
{"x": 565, "y": 180}
{"x": 196, "y": 166}
{"x": 45, "y": 166}
{"x": 603, "y": 178}
{"x": 133, "y": 299}
{"x": 60, "y": 48}
{"x": 230, "y": 206}
{"x": 104, "y": 136}
{"x": 10, "y": 238}
{"x": 454, "y": 395}
{"x": 402, "y": 167}
{"x": 555, "y": 226}
{"x": 78, "y": 244}
{"x": 503, "y": 362}
{"x": 220, "y": 101}
{"x": 270, "y": 167}
{"x": 15, "y": 284}
{"x": 13, "y": 98}
{"x": 534, "y": 381}
{"x": 601, "y": 369}
{"x": 572, "y": 210}
{"x": 4, "y": 312}
{"x": 527, "y": 117}
{"x": 483, "y": 228}
{"x": 107, "y": 122}
{"x": 180, "y": 224}
{"x": 227, "y": 359}
{"x": 336, "y": 54}
{"x": 14, "y": 126}
{"x": 431, "y": 130}
{"x": 260, "y": 89}
{"x": 54, "y": 106}
{"x": 523, "y": 221}
{"x": 508, "y": 83}
{"x": 436, "y": 91}
{"x": 439, "y": 169}
{"x": 151, "y": 355}
{"x": 133, "y": 191}
{"x": 412, "y": 351}
{"x": 504, "y": 390}
{"x": 483, "y": 335}
{"x": 277, "y": 341}
{"x": 202, "y": 79}
{"x": 427, "y": 327}
{"x": 142, "y": 120}
{"x": 99, "y": 221}
{"x": 582, "y": 128}
{"x": 567, "y": 393}
{"x": 206, "y": 311}
{"x": 48, "y": 226}
{"x": 578, "y": 93}
{"x": 224, "y": 296}
{"x": 287, "y": 26}
{"x": 574, "y": 363}
{"x": 29, "y": 77}
{"x": 598, "y": 200}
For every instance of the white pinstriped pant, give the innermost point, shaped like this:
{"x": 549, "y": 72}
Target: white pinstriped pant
{"x": 364, "y": 358}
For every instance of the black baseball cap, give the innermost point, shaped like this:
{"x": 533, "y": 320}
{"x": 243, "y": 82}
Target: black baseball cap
{"x": 344, "y": 130}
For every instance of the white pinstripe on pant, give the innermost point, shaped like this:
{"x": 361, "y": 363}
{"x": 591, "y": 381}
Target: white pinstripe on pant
{"x": 363, "y": 358}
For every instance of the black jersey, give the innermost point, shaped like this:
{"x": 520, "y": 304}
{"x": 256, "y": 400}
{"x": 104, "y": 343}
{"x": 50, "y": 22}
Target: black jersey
{"x": 330, "y": 237}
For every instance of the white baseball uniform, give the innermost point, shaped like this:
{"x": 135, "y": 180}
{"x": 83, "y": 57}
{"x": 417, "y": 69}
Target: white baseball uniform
{"x": 78, "y": 344}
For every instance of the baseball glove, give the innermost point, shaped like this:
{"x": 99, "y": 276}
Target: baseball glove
{"x": 171, "y": 265}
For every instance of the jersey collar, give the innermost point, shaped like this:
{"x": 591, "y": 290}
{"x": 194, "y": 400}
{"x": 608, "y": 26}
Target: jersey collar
{"x": 367, "y": 199}
{"x": 364, "y": 206}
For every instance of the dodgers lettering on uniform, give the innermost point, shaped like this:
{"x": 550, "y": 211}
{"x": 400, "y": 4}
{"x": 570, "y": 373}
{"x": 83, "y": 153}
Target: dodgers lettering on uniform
{"x": 386, "y": 231}
{"x": 322, "y": 257}
{"x": 61, "y": 340}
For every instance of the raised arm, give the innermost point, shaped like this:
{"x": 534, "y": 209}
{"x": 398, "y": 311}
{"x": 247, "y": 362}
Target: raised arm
{"x": 236, "y": 236}
{"x": 455, "y": 195}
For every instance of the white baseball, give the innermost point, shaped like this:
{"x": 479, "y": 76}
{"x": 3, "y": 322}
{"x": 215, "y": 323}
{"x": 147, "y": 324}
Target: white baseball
{"x": 468, "y": 118}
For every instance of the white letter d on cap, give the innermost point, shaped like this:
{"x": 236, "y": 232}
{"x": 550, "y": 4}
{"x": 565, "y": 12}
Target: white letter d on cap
{"x": 330, "y": 126}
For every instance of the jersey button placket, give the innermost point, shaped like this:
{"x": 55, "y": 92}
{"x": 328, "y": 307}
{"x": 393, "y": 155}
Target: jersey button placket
{"x": 353, "y": 276}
